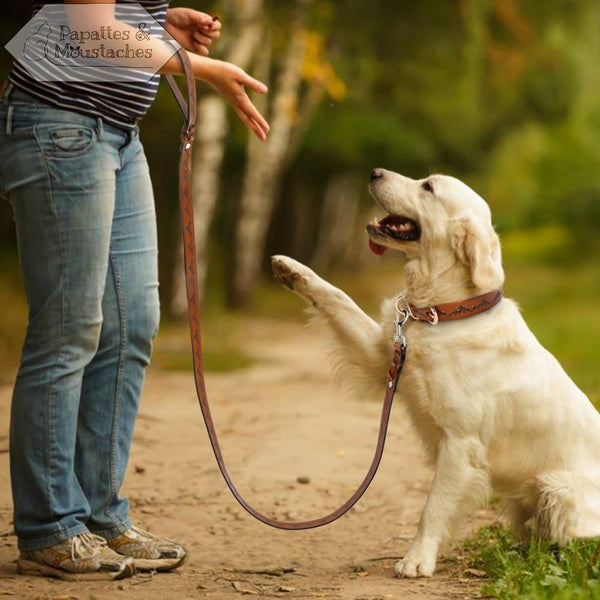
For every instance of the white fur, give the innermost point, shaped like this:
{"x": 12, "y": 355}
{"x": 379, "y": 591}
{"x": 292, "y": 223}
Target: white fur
{"x": 494, "y": 409}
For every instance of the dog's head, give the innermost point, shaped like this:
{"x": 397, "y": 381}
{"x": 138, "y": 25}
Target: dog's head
{"x": 438, "y": 221}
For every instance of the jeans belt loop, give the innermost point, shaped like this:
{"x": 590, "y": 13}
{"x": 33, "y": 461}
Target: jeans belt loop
{"x": 9, "y": 119}
{"x": 100, "y": 127}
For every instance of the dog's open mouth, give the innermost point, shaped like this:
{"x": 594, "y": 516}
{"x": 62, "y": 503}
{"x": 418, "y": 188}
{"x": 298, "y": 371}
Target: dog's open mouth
{"x": 396, "y": 227}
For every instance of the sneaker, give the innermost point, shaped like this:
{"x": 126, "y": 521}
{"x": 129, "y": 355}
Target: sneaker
{"x": 82, "y": 557}
{"x": 150, "y": 553}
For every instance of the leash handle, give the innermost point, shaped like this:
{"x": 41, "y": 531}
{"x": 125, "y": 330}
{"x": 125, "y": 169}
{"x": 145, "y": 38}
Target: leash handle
{"x": 188, "y": 109}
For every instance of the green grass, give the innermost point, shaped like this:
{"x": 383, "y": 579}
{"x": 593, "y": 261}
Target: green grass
{"x": 559, "y": 305}
{"x": 534, "y": 571}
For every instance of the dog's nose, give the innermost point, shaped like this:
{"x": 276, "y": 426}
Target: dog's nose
{"x": 376, "y": 174}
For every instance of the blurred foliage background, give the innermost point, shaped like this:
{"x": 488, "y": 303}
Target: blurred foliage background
{"x": 504, "y": 94}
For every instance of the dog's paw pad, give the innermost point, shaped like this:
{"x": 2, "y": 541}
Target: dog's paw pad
{"x": 286, "y": 274}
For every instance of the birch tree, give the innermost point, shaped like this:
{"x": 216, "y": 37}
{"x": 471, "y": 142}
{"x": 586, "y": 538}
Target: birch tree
{"x": 247, "y": 29}
{"x": 337, "y": 222}
{"x": 303, "y": 79}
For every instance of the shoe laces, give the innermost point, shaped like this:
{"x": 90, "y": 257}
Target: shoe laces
{"x": 86, "y": 545}
{"x": 138, "y": 531}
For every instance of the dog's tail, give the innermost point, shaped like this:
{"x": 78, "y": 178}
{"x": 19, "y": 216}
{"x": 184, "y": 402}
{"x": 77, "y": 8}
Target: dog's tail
{"x": 568, "y": 506}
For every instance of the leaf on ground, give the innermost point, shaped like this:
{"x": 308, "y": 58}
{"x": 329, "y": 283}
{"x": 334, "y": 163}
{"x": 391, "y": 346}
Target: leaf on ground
{"x": 243, "y": 588}
{"x": 475, "y": 573}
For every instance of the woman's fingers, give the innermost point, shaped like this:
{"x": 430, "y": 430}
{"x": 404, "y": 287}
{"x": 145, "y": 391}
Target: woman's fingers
{"x": 253, "y": 84}
{"x": 252, "y": 116}
{"x": 202, "y": 41}
{"x": 258, "y": 132}
{"x": 200, "y": 48}
{"x": 200, "y": 38}
{"x": 213, "y": 34}
{"x": 214, "y": 26}
{"x": 231, "y": 81}
{"x": 253, "y": 113}
{"x": 204, "y": 21}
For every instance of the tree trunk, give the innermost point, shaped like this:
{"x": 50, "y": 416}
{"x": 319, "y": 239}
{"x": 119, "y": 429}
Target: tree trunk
{"x": 209, "y": 148}
{"x": 337, "y": 223}
{"x": 208, "y": 155}
{"x": 265, "y": 166}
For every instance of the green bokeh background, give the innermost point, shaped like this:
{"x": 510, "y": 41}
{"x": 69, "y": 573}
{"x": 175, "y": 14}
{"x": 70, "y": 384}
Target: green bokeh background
{"x": 503, "y": 94}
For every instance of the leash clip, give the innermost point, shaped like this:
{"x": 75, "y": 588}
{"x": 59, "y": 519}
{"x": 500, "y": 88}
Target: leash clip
{"x": 402, "y": 316}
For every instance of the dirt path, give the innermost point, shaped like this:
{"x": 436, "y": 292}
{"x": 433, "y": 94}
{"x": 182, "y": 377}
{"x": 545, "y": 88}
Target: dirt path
{"x": 281, "y": 419}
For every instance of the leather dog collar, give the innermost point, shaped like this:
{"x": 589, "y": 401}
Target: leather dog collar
{"x": 452, "y": 311}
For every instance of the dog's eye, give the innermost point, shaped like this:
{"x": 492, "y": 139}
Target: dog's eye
{"x": 427, "y": 186}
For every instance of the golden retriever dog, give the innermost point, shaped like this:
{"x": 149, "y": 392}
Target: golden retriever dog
{"x": 494, "y": 408}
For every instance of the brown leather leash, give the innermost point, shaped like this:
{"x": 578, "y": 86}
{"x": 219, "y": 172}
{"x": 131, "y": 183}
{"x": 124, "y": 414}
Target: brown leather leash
{"x": 445, "y": 312}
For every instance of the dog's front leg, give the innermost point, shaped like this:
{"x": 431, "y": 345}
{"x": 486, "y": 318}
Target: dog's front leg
{"x": 339, "y": 309}
{"x": 360, "y": 348}
{"x": 459, "y": 475}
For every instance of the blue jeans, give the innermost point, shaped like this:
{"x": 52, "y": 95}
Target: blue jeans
{"x": 83, "y": 206}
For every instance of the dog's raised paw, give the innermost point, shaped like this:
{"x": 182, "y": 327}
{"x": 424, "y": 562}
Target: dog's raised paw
{"x": 289, "y": 272}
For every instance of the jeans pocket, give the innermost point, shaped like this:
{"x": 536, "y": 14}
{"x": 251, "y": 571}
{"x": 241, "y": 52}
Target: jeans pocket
{"x": 67, "y": 141}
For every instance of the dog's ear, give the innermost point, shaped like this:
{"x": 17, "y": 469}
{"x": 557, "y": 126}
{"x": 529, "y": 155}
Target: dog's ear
{"x": 477, "y": 245}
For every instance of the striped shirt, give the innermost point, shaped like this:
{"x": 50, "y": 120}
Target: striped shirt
{"x": 119, "y": 103}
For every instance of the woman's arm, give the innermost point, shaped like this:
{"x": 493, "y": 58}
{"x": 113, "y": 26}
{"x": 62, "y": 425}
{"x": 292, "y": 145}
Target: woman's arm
{"x": 228, "y": 79}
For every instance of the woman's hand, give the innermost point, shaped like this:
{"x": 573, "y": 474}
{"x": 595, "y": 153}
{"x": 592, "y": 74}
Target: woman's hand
{"x": 193, "y": 29}
{"x": 230, "y": 81}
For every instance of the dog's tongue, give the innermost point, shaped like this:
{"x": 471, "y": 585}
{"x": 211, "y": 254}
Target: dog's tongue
{"x": 376, "y": 248}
